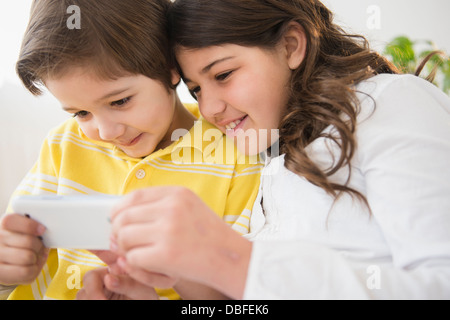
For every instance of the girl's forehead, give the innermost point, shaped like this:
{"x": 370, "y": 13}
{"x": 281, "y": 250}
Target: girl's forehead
{"x": 206, "y": 58}
{"x": 202, "y": 60}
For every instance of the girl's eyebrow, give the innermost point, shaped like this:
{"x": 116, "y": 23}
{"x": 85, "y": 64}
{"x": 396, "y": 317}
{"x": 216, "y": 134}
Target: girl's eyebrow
{"x": 209, "y": 66}
{"x": 212, "y": 64}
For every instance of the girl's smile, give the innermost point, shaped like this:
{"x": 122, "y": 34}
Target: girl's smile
{"x": 241, "y": 90}
{"x": 233, "y": 126}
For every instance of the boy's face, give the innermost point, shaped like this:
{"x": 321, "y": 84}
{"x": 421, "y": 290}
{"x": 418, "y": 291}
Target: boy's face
{"x": 134, "y": 113}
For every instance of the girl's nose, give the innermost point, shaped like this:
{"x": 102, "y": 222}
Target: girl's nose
{"x": 211, "y": 105}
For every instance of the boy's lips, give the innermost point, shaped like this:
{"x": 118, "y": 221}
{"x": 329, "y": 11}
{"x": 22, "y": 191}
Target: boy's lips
{"x": 132, "y": 142}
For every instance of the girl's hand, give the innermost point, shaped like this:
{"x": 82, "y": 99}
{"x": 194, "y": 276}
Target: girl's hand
{"x": 169, "y": 230}
{"x": 22, "y": 253}
{"x": 120, "y": 267}
{"x": 108, "y": 257}
{"x": 110, "y": 284}
{"x": 150, "y": 279}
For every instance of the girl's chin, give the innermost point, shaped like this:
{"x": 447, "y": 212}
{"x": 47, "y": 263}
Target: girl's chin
{"x": 248, "y": 145}
{"x": 252, "y": 142}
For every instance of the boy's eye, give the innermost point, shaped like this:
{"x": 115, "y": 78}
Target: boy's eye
{"x": 121, "y": 102}
{"x": 81, "y": 114}
{"x": 194, "y": 92}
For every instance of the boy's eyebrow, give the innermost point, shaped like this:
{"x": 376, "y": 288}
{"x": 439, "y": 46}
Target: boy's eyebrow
{"x": 209, "y": 66}
{"x": 69, "y": 109}
{"x": 113, "y": 93}
{"x": 105, "y": 97}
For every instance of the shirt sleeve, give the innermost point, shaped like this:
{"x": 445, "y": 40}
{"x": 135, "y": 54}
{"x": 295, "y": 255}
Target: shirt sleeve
{"x": 5, "y": 291}
{"x": 404, "y": 154}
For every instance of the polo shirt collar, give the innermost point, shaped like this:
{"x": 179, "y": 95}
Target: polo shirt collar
{"x": 183, "y": 142}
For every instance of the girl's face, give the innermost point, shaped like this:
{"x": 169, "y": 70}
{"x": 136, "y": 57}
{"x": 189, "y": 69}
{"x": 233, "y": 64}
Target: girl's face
{"x": 241, "y": 90}
{"x": 134, "y": 113}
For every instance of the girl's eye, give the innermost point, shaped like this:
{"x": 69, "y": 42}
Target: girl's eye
{"x": 121, "y": 102}
{"x": 223, "y": 76}
{"x": 81, "y": 114}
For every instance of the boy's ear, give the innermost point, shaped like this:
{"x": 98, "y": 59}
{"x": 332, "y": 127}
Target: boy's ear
{"x": 176, "y": 78}
{"x": 294, "y": 43}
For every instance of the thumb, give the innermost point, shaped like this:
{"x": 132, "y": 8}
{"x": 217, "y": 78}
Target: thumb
{"x": 42, "y": 257}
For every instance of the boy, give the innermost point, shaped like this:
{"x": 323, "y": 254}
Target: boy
{"x": 113, "y": 73}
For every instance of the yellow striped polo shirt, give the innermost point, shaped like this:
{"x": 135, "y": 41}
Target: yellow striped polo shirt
{"x": 201, "y": 159}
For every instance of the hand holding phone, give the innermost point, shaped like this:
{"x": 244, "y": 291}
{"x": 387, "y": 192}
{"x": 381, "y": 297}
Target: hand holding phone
{"x": 78, "y": 222}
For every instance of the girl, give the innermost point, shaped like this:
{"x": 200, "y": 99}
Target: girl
{"x": 356, "y": 206}
{"x": 114, "y": 75}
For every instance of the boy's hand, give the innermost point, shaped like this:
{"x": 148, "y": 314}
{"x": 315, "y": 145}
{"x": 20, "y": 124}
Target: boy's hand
{"x": 22, "y": 253}
{"x": 108, "y": 284}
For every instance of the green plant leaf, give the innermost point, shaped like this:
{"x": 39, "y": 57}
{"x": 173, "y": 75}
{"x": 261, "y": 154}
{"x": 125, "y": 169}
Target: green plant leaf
{"x": 401, "y": 51}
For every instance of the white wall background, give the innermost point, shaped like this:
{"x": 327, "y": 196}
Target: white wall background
{"x": 418, "y": 19}
{"x": 25, "y": 120}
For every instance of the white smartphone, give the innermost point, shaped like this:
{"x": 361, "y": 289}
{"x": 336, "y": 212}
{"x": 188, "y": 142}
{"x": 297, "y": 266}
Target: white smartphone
{"x": 77, "y": 222}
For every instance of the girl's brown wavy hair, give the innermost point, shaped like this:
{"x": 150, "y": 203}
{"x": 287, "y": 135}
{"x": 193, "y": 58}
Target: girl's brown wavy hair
{"x": 321, "y": 88}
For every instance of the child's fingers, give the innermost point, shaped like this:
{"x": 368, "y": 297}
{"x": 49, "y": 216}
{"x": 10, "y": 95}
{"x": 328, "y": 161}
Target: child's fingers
{"x": 147, "y": 258}
{"x": 93, "y": 288}
{"x": 42, "y": 257}
{"x": 136, "y": 235}
{"x": 19, "y": 257}
{"x": 13, "y": 275}
{"x": 151, "y": 279}
{"x": 145, "y": 196}
{"x": 17, "y": 275}
{"x": 19, "y": 240}
{"x": 22, "y": 224}
{"x": 106, "y": 256}
{"x": 20, "y": 266}
{"x": 130, "y": 288}
{"x": 136, "y": 198}
{"x": 132, "y": 215}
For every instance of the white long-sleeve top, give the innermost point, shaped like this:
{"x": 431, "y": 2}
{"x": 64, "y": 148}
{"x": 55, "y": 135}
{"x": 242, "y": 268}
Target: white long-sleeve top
{"x": 308, "y": 247}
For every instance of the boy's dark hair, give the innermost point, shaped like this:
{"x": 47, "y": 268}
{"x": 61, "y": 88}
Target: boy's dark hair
{"x": 114, "y": 38}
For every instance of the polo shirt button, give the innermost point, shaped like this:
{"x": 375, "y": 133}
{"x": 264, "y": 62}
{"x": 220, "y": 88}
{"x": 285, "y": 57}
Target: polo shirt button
{"x": 140, "y": 174}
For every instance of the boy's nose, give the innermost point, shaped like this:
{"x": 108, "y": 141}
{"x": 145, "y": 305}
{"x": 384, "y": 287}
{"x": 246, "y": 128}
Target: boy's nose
{"x": 109, "y": 130}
